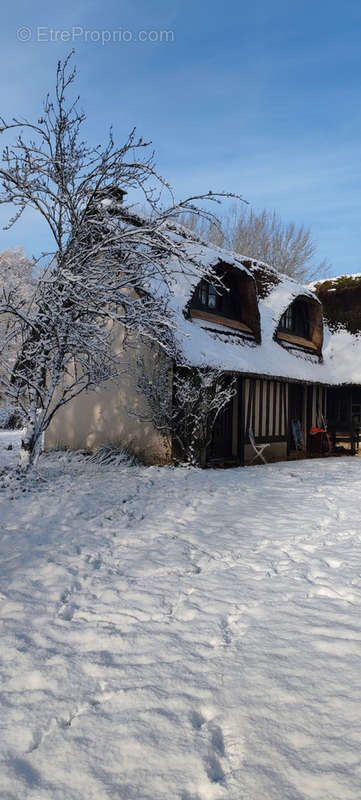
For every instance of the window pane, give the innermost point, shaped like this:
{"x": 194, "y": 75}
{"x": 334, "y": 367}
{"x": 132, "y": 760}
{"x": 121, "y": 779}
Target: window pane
{"x": 287, "y": 320}
{"x": 212, "y": 297}
{"x": 204, "y": 293}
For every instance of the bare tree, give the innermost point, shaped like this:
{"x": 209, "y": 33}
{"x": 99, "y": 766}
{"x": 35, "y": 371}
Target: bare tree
{"x": 264, "y": 236}
{"x": 16, "y": 274}
{"x": 17, "y": 270}
{"x": 107, "y": 263}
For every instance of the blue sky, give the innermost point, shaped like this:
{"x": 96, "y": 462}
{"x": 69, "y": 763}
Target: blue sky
{"x": 253, "y": 97}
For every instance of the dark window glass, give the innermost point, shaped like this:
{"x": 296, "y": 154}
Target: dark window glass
{"x": 212, "y": 296}
{"x": 287, "y": 321}
{"x": 295, "y": 320}
{"x": 223, "y": 300}
{"x": 305, "y": 323}
{"x": 204, "y": 293}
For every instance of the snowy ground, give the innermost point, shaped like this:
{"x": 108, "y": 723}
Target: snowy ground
{"x": 181, "y": 634}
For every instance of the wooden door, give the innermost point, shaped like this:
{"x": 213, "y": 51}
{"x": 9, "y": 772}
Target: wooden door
{"x": 222, "y": 434}
{"x": 295, "y": 410}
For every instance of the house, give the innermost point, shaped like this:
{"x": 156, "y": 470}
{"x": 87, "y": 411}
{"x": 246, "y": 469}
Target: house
{"x": 341, "y": 302}
{"x": 259, "y": 327}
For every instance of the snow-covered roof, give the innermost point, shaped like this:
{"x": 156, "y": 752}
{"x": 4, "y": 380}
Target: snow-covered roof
{"x": 341, "y": 300}
{"x": 338, "y": 279}
{"x": 200, "y": 346}
{"x": 342, "y": 356}
{"x": 199, "y": 258}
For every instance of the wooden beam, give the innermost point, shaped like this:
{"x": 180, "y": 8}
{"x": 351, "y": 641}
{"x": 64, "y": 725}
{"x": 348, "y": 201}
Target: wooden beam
{"x": 268, "y": 383}
{"x": 218, "y": 320}
{"x": 260, "y": 419}
{"x": 275, "y": 385}
{"x": 298, "y": 340}
{"x": 280, "y": 410}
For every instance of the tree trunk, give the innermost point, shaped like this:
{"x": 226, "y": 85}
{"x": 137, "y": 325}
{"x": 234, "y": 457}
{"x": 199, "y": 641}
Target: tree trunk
{"x": 30, "y": 448}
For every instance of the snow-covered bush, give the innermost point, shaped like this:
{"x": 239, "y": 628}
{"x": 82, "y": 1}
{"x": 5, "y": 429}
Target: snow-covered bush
{"x": 200, "y": 395}
{"x": 187, "y": 411}
{"x": 111, "y": 455}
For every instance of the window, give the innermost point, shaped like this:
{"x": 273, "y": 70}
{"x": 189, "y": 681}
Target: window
{"x": 296, "y": 320}
{"x": 287, "y": 320}
{"x": 226, "y": 296}
{"x": 223, "y": 300}
{"x": 207, "y": 295}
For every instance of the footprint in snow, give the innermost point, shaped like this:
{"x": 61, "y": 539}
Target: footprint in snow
{"x": 197, "y": 720}
{"x": 94, "y": 560}
{"x": 67, "y": 609}
{"x": 333, "y": 563}
{"x": 233, "y": 626}
{"x": 216, "y": 752}
{"x": 67, "y": 612}
{"x": 193, "y": 570}
{"x": 213, "y": 769}
{"x": 218, "y": 741}
{"x": 216, "y": 748}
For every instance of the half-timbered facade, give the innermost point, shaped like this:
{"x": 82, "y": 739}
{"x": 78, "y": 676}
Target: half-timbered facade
{"x": 268, "y": 333}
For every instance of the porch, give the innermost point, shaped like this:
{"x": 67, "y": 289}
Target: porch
{"x": 344, "y": 417}
{"x": 279, "y": 413}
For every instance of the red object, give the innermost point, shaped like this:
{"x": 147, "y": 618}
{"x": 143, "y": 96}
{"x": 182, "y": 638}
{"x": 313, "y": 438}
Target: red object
{"x": 321, "y": 442}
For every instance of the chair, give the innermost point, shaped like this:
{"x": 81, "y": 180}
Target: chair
{"x": 258, "y": 448}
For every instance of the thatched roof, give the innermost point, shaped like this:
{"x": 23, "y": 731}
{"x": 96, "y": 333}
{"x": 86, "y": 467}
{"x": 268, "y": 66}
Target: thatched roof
{"x": 263, "y": 354}
{"x": 341, "y": 301}
{"x": 200, "y": 344}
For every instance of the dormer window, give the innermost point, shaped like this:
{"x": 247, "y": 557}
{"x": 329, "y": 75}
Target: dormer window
{"x": 300, "y": 326}
{"x": 296, "y": 320}
{"x": 227, "y": 299}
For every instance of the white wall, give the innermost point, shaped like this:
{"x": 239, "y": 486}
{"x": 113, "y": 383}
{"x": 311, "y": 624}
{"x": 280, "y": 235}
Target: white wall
{"x": 113, "y": 413}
